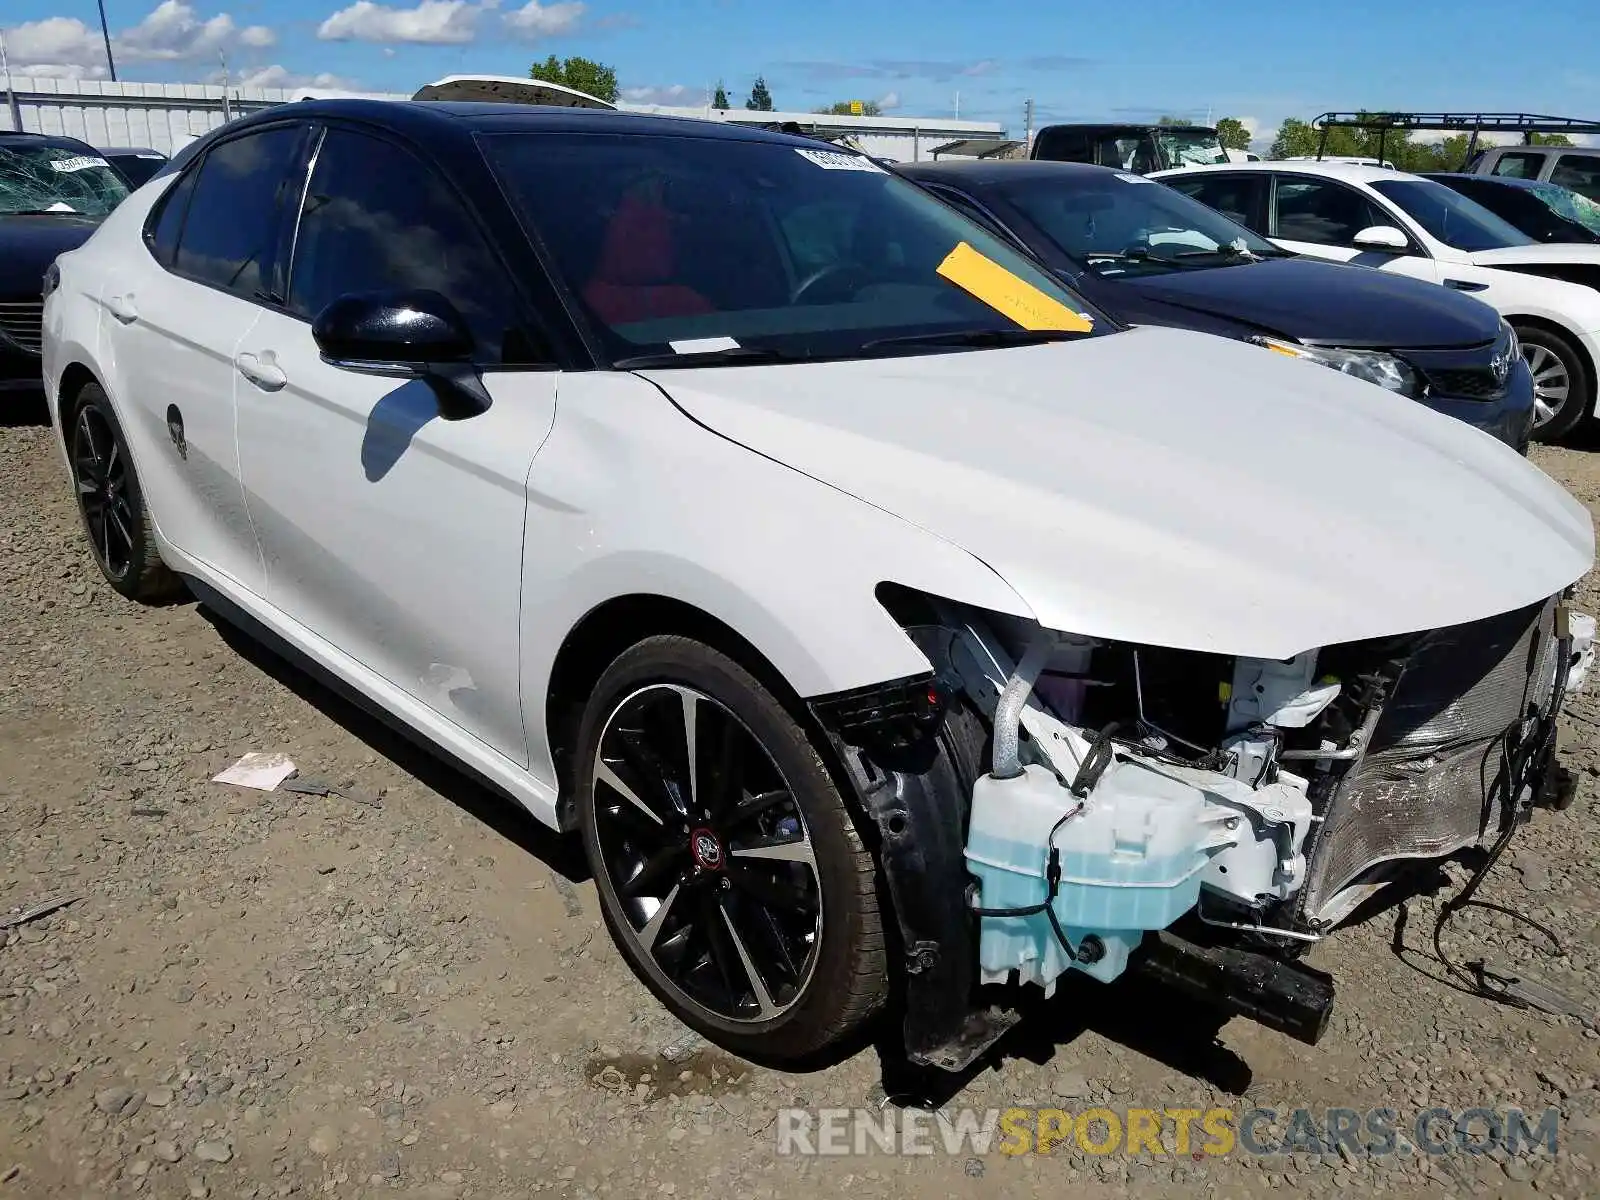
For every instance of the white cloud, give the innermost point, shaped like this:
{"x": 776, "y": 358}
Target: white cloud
{"x": 431, "y": 22}
{"x": 676, "y": 94}
{"x": 535, "y": 20}
{"x": 279, "y": 76}
{"x": 889, "y": 101}
{"x": 65, "y": 47}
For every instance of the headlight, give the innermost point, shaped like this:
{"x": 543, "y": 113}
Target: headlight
{"x": 1385, "y": 370}
{"x": 1510, "y": 345}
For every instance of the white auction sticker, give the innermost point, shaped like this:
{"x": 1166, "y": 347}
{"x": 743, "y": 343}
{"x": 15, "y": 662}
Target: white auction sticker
{"x": 82, "y": 162}
{"x": 832, "y": 160}
{"x": 1126, "y": 177}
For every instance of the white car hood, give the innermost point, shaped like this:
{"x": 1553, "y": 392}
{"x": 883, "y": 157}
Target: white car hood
{"x": 1543, "y": 252}
{"x": 1172, "y": 488}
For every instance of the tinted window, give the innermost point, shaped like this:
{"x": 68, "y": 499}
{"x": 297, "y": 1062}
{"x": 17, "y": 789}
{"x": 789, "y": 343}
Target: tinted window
{"x": 1519, "y": 166}
{"x": 803, "y": 250}
{"x": 1322, "y": 212}
{"x": 1062, "y": 145}
{"x": 1580, "y": 172}
{"x": 230, "y": 233}
{"x": 137, "y": 169}
{"x": 169, "y": 219}
{"x": 378, "y": 218}
{"x": 1131, "y": 152}
{"x": 1237, "y": 197}
{"x": 1449, "y": 216}
{"x": 1124, "y": 224}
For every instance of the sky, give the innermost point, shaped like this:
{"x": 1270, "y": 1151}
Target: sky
{"x": 1130, "y": 61}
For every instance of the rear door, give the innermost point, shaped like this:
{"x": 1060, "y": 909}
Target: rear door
{"x": 175, "y": 317}
{"x": 388, "y": 531}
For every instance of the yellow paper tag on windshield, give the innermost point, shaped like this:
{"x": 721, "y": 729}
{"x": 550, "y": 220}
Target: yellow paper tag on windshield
{"x": 1007, "y": 294}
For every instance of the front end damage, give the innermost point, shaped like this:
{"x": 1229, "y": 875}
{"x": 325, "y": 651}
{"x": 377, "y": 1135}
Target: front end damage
{"x": 1046, "y": 802}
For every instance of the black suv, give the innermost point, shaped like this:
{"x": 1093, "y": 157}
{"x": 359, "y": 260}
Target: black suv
{"x": 53, "y": 192}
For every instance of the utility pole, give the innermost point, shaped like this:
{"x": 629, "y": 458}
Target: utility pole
{"x": 105, "y": 32}
{"x": 11, "y": 92}
{"x": 227, "y": 106}
{"x": 1027, "y": 127}
{"x": 958, "y": 105}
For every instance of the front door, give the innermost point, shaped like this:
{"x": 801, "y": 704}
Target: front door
{"x": 175, "y": 316}
{"x": 388, "y": 531}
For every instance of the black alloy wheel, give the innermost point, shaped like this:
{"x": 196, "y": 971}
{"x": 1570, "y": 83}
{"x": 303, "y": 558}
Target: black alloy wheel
{"x": 728, "y": 868}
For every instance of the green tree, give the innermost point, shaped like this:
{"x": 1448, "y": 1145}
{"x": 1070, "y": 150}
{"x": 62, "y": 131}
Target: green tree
{"x": 1549, "y": 139}
{"x": 720, "y": 100}
{"x": 760, "y": 98}
{"x": 841, "y": 108}
{"x": 1232, "y": 134}
{"x": 584, "y": 74}
{"x": 1173, "y": 121}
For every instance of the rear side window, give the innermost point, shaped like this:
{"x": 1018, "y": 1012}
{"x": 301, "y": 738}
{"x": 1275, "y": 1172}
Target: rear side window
{"x": 1580, "y": 172}
{"x": 1062, "y": 145}
{"x": 377, "y": 218}
{"x": 230, "y": 233}
{"x": 164, "y": 233}
{"x": 1519, "y": 166}
{"x": 1237, "y": 197}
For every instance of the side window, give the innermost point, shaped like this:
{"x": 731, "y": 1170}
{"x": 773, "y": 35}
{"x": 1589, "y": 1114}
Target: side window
{"x": 1580, "y": 172}
{"x": 1238, "y": 197}
{"x": 162, "y": 237}
{"x": 378, "y": 218}
{"x": 1322, "y": 212}
{"x": 230, "y": 233}
{"x": 1519, "y": 166}
{"x": 1062, "y": 145}
{"x": 1128, "y": 153}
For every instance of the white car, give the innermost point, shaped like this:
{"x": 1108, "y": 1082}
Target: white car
{"x": 1412, "y": 226}
{"x": 883, "y": 619}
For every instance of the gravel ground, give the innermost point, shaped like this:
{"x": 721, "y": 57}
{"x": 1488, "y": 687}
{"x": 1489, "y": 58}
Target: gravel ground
{"x": 411, "y": 992}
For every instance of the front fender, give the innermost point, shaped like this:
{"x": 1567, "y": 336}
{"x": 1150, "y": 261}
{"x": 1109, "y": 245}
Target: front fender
{"x": 631, "y": 497}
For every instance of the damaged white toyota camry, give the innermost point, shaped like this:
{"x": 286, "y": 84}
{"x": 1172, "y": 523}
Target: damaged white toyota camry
{"x": 890, "y": 623}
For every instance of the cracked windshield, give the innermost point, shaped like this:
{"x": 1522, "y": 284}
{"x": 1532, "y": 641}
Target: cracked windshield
{"x": 57, "y": 179}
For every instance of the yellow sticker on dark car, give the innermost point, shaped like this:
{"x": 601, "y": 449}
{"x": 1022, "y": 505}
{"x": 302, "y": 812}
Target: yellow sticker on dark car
{"x": 1008, "y": 294}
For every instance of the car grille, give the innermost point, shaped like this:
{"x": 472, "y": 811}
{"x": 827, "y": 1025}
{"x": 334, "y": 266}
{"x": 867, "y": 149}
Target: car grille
{"x": 1423, "y": 786}
{"x": 1472, "y": 383}
{"x": 21, "y": 322}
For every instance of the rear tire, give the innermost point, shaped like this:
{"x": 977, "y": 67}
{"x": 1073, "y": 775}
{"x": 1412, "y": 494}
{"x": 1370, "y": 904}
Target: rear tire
{"x": 1563, "y": 386}
{"x": 122, "y": 537}
{"x": 738, "y": 889}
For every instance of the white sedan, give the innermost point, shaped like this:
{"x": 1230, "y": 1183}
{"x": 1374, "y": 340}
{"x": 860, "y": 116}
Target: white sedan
{"x": 883, "y": 619}
{"x": 1418, "y": 227}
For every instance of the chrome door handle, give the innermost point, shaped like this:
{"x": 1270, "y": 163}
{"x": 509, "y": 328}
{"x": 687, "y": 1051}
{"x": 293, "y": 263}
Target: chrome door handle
{"x": 261, "y": 371}
{"x": 121, "y": 307}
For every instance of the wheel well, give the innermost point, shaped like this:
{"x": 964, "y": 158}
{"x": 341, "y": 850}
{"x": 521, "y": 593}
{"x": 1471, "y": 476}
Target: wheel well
{"x": 594, "y": 643}
{"x": 73, "y": 380}
{"x": 1565, "y": 335}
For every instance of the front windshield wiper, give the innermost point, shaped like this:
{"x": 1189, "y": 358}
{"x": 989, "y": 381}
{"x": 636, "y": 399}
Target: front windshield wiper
{"x": 978, "y": 337}
{"x": 1231, "y": 252}
{"x": 729, "y": 356}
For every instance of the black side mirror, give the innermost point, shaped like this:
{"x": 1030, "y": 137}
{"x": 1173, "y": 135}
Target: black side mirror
{"x": 407, "y": 335}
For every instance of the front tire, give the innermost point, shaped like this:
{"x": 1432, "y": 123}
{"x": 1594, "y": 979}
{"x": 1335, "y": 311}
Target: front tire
{"x": 122, "y": 537}
{"x": 1563, "y": 390}
{"x": 729, "y": 870}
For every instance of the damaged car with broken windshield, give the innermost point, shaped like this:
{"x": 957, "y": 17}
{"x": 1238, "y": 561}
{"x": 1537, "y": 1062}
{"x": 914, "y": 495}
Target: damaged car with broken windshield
{"x": 899, "y": 634}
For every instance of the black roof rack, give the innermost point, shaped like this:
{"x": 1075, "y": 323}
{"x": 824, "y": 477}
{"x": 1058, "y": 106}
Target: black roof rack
{"x": 1527, "y": 124}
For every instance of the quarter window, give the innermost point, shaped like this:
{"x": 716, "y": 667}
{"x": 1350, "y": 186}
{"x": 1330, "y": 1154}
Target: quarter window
{"x": 377, "y": 218}
{"x": 1322, "y": 212}
{"x": 230, "y": 234}
{"x": 169, "y": 221}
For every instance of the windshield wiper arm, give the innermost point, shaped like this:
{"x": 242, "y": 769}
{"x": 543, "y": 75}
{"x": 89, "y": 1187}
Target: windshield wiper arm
{"x": 730, "y": 356}
{"x": 978, "y": 337}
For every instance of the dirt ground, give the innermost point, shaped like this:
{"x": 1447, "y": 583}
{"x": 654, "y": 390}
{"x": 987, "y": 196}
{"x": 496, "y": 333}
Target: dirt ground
{"x": 260, "y": 995}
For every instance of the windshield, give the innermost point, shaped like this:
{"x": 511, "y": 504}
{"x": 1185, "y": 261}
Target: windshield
{"x": 1447, "y": 215}
{"x": 1565, "y": 202}
{"x": 1125, "y": 225}
{"x": 695, "y": 245}
{"x": 1190, "y": 147}
{"x": 52, "y": 178}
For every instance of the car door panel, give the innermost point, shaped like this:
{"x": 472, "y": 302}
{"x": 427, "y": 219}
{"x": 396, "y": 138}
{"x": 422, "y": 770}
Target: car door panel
{"x": 387, "y": 530}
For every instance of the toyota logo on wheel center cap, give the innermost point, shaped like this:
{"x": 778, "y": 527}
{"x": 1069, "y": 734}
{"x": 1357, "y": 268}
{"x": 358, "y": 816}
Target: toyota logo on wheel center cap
{"x": 707, "y": 850}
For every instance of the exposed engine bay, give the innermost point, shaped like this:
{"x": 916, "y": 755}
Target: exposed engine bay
{"x": 1121, "y": 789}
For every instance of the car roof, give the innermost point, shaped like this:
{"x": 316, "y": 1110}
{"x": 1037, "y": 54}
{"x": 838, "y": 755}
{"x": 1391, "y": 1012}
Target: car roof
{"x": 1527, "y": 185}
{"x": 25, "y": 138}
{"x": 137, "y": 151}
{"x": 420, "y": 118}
{"x": 982, "y": 172}
{"x": 1349, "y": 172}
